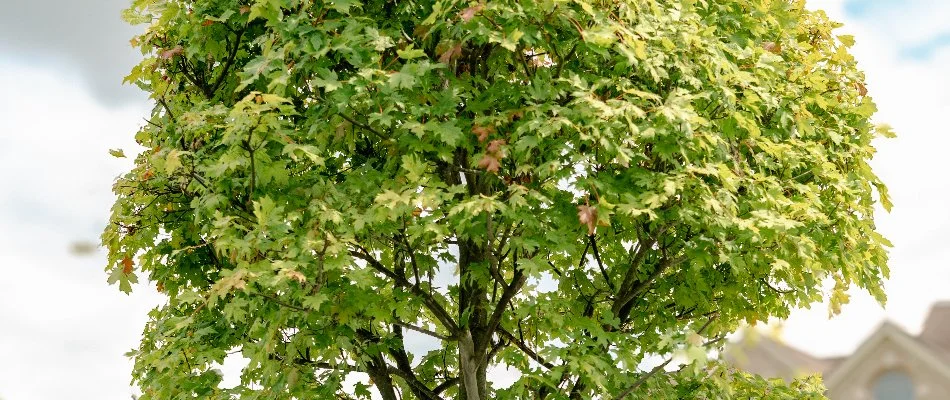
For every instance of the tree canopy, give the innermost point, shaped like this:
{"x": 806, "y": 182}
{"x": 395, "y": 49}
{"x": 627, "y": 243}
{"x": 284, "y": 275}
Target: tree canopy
{"x": 414, "y": 199}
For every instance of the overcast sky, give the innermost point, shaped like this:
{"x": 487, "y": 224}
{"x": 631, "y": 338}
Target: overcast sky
{"x": 63, "y": 330}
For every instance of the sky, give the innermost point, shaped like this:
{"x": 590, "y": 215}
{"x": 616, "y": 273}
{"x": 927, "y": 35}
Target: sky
{"x": 63, "y": 330}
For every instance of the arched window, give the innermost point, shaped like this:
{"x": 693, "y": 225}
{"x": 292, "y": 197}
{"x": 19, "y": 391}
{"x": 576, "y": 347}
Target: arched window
{"x": 893, "y": 385}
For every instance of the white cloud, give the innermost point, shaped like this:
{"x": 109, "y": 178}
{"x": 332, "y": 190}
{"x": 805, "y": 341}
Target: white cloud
{"x": 906, "y": 23}
{"x": 62, "y": 329}
{"x": 84, "y": 39}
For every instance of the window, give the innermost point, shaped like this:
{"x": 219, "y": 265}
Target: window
{"x": 893, "y": 385}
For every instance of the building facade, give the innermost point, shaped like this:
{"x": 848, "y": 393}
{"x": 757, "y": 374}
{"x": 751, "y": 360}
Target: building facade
{"x": 889, "y": 365}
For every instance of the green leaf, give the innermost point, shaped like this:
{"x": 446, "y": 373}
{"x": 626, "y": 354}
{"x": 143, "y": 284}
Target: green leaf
{"x": 409, "y": 53}
{"x": 124, "y": 280}
{"x": 328, "y": 81}
{"x": 172, "y": 161}
{"x": 885, "y": 130}
{"x": 344, "y": 6}
{"x": 401, "y": 79}
{"x": 314, "y": 302}
{"x": 846, "y": 40}
{"x": 448, "y": 133}
{"x": 310, "y": 152}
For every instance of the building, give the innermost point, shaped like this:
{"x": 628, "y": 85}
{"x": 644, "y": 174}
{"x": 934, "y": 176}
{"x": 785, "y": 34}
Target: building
{"x": 889, "y": 365}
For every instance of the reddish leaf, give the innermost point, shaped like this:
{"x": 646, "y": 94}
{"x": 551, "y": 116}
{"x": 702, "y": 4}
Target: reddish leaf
{"x": 489, "y": 163}
{"x": 772, "y": 47}
{"x": 450, "y": 54}
{"x": 482, "y": 132}
{"x": 167, "y": 54}
{"x": 469, "y": 13}
{"x": 127, "y": 265}
{"x": 421, "y": 30}
{"x": 296, "y": 275}
{"x": 244, "y": 9}
{"x": 862, "y": 90}
{"x": 587, "y": 215}
{"x": 494, "y": 147}
{"x": 207, "y": 22}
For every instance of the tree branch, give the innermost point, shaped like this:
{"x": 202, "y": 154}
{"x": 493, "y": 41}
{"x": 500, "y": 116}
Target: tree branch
{"x": 643, "y": 379}
{"x": 524, "y": 348}
{"x": 660, "y": 367}
{"x": 665, "y": 264}
{"x": 191, "y": 76}
{"x": 643, "y": 246}
{"x": 561, "y": 62}
{"x": 775, "y": 289}
{"x": 431, "y": 303}
{"x": 152, "y": 123}
{"x": 422, "y": 330}
{"x": 445, "y": 385}
{"x": 168, "y": 110}
{"x": 417, "y": 387}
{"x": 281, "y": 303}
{"x": 412, "y": 256}
{"x": 600, "y": 264}
{"x": 362, "y": 125}
{"x": 517, "y": 281}
{"x": 228, "y": 62}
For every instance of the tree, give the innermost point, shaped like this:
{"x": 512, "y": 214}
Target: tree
{"x": 567, "y": 189}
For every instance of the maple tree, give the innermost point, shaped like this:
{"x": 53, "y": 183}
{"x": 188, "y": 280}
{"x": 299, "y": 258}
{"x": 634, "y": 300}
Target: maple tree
{"x": 412, "y": 199}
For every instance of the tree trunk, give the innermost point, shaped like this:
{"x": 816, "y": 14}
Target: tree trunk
{"x": 475, "y": 340}
{"x": 469, "y": 366}
{"x": 378, "y": 372}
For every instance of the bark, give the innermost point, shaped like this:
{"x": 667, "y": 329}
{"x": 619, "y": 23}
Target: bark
{"x": 468, "y": 363}
{"x": 475, "y": 340}
{"x": 379, "y": 372}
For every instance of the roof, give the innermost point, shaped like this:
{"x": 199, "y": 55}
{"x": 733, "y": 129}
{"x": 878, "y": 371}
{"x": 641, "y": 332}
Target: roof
{"x": 772, "y": 359}
{"x": 769, "y": 357}
{"x": 888, "y": 331}
{"x": 936, "y": 332}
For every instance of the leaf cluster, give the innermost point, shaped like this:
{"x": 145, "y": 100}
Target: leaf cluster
{"x": 418, "y": 192}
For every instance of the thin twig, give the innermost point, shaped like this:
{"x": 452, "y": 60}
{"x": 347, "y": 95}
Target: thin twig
{"x": 168, "y": 110}
{"x": 362, "y": 125}
{"x": 643, "y": 379}
{"x": 775, "y": 289}
{"x": 422, "y": 330}
{"x": 600, "y": 264}
{"x": 229, "y": 62}
{"x": 660, "y": 367}
{"x": 281, "y": 303}
{"x": 152, "y": 123}
{"x": 524, "y": 348}
{"x": 431, "y": 303}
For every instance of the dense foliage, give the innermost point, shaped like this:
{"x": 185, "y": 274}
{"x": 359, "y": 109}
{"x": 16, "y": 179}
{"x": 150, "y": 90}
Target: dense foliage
{"x": 423, "y": 199}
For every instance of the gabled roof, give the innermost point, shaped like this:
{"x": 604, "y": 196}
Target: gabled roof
{"x": 888, "y": 331}
{"x": 767, "y": 356}
{"x": 773, "y": 359}
{"x": 936, "y": 332}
